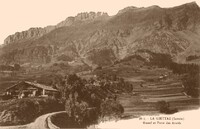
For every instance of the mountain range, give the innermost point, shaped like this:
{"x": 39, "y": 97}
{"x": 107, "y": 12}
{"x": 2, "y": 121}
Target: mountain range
{"x": 97, "y": 39}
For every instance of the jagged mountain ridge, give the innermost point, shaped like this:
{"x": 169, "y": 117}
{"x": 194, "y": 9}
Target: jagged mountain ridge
{"x": 174, "y": 31}
{"x": 33, "y": 33}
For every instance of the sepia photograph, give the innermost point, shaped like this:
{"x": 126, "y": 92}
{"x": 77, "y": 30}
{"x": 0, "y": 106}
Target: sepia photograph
{"x": 99, "y": 64}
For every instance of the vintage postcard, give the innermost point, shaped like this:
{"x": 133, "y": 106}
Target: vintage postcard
{"x": 99, "y": 64}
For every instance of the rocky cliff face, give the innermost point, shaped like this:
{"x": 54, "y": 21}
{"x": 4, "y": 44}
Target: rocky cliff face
{"x": 34, "y": 33}
{"x": 82, "y": 17}
{"x": 90, "y": 16}
{"x": 96, "y": 38}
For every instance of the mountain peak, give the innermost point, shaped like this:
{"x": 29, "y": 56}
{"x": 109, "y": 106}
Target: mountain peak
{"x": 127, "y": 9}
{"x": 90, "y": 15}
{"x": 192, "y": 5}
{"x": 133, "y": 8}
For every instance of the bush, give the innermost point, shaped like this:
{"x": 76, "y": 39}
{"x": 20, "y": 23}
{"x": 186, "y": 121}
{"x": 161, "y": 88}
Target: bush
{"x": 22, "y": 111}
{"x": 17, "y": 67}
{"x": 80, "y": 113}
{"x": 164, "y": 107}
{"x": 192, "y": 57}
{"x": 6, "y": 97}
{"x": 111, "y": 108}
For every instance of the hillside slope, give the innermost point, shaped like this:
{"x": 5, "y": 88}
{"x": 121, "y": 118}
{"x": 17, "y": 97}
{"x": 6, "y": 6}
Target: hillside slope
{"x": 99, "y": 39}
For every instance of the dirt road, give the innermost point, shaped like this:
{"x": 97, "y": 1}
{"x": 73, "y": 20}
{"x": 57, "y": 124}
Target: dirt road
{"x": 39, "y": 123}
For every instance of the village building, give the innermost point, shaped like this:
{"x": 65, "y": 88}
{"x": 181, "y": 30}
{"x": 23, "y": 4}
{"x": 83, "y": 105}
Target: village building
{"x": 30, "y": 89}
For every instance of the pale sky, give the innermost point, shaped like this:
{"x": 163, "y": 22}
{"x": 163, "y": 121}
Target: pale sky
{"x": 20, "y": 15}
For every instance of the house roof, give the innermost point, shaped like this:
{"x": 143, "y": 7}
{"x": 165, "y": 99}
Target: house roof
{"x": 34, "y": 84}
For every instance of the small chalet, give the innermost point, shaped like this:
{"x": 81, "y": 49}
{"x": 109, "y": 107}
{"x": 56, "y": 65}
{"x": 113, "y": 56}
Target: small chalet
{"x": 30, "y": 89}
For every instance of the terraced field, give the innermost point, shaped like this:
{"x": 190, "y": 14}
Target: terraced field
{"x": 149, "y": 87}
{"x": 144, "y": 99}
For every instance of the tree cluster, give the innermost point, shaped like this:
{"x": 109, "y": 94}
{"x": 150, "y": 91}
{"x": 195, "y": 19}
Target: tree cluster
{"x": 87, "y": 100}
